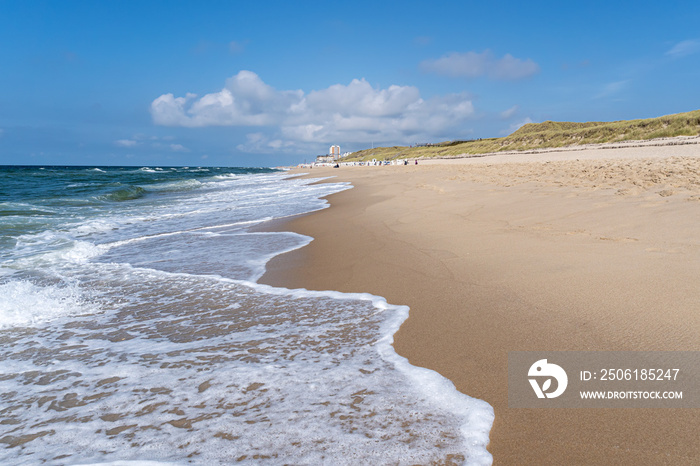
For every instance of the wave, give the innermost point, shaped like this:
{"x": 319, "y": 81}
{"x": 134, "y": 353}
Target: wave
{"x": 26, "y": 304}
{"x": 227, "y": 176}
{"x": 173, "y": 186}
{"x": 150, "y": 296}
{"x": 151, "y": 170}
{"x": 16, "y": 209}
{"x": 309, "y": 376}
{"x": 127, "y": 193}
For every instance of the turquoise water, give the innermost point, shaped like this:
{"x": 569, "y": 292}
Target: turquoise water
{"x": 36, "y": 199}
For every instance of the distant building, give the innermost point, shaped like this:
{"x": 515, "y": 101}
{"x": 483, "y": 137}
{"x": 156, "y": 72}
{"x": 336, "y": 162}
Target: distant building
{"x": 332, "y": 157}
{"x": 334, "y": 151}
{"x": 325, "y": 159}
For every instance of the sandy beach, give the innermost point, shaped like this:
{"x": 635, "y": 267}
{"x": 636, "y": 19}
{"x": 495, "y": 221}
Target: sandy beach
{"x": 572, "y": 250}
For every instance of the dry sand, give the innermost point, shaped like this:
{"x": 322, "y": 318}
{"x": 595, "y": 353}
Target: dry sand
{"x": 586, "y": 250}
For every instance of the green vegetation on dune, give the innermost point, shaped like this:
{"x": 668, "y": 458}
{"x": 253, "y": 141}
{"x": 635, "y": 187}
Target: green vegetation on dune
{"x": 549, "y": 134}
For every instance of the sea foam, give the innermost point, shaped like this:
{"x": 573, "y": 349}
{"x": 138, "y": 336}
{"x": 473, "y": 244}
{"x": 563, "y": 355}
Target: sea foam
{"x": 136, "y": 332}
{"x": 220, "y": 370}
{"x": 25, "y": 304}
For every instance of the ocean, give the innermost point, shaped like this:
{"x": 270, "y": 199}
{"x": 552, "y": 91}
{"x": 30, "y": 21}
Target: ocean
{"x": 133, "y": 330}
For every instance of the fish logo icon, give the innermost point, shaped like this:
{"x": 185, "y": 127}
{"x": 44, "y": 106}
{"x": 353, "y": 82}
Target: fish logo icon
{"x": 542, "y": 369}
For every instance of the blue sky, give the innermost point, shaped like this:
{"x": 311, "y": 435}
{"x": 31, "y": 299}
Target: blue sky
{"x": 242, "y": 83}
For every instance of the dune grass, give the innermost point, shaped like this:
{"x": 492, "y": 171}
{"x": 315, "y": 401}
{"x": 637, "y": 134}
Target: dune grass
{"x": 550, "y": 134}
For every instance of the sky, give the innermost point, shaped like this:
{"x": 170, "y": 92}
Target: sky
{"x": 268, "y": 83}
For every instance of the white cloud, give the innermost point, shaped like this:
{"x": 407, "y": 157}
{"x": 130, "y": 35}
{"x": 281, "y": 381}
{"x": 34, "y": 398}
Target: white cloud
{"x": 359, "y": 98}
{"x": 684, "y": 48}
{"x": 261, "y": 143}
{"x": 516, "y": 126}
{"x": 510, "y": 67}
{"x": 144, "y": 140}
{"x": 178, "y": 148}
{"x": 245, "y": 101}
{"x": 356, "y": 112}
{"x": 254, "y": 143}
{"x": 126, "y": 143}
{"x": 474, "y": 65}
{"x": 506, "y": 114}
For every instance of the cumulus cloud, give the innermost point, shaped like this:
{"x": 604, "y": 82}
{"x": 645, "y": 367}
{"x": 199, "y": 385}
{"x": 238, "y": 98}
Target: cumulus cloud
{"x": 125, "y": 143}
{"x": 356, "y": 112}
{"x": 684, "y": 48}
{"x": 474, "y": 65}
{"x": 245, "y": 101}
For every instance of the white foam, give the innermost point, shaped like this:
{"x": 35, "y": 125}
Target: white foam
{"x": 49, "y": 250}
{"x": 205, "y": 229}
{"x": 217, "y": 370}
{"x": 94, "y": 226}
{"x": 200, "y": 367}
{"x": 175, "y": 185}
{"x": 25, "y": 304}
{"x": 131, "y": 463}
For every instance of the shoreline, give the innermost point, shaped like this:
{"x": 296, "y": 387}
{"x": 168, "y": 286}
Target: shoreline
{"x": 551, "y": 251}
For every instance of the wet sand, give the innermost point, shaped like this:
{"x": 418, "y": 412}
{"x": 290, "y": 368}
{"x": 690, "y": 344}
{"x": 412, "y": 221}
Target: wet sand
{"x": 586, "y": 250}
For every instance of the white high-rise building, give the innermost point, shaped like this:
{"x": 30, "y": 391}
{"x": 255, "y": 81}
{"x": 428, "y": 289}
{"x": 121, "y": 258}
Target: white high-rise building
{"x": 334, "y": 151}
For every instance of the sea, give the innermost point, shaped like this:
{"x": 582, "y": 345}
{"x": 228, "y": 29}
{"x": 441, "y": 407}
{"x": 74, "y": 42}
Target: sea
{"x": 133, "y": 330}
